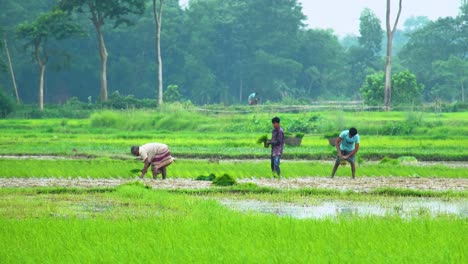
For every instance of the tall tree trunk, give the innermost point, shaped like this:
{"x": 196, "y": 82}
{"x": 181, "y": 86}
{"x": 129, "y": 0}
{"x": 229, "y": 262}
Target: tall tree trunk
{"x": 388, "y": 63}
{"x": 10, "y": 65}
{"x": 241, "y": 87}
{"x": 42, "y": 66}
{"x": 158, "y": 20}
{"x": 98, "y": 21}
{"x": 103, "y": 54}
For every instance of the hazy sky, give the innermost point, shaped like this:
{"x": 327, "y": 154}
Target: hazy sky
{"x": 343, "y": 15}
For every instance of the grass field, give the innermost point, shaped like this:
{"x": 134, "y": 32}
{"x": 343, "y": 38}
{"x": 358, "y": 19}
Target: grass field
{"x": 134, "y": 223}
{"x": 109, "y": 168}
{"x": 437, "y": 137}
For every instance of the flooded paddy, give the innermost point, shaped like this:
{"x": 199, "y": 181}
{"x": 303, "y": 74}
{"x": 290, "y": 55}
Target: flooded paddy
{"x": 405, "y": 207}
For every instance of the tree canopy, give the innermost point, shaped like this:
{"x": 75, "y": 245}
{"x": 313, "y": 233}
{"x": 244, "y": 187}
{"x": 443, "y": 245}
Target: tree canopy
{"x": 220, "y": 51}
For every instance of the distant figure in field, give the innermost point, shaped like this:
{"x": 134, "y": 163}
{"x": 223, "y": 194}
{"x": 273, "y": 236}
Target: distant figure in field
{"x": 277, "y": 145}
{"x": 347, "y": 144}
{"x": 155, "y": 154}
{"x": 253, "y": 98}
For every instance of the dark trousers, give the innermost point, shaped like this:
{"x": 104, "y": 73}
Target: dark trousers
{"x": 275, "y": 164}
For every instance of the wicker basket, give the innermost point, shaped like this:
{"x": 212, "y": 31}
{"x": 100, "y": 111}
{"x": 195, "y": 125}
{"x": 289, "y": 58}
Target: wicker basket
{"x": 332, "y": 141}
{"x": 293, "y": 141}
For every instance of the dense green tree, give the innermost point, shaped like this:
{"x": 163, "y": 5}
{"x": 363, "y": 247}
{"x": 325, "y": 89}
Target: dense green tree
{"x": 323, "y": 73}
{"x": 6, "y": 104}
{"x": 414, "y": 23}
{"x": 220, "y": 51}
{"x": 371, "y": 34}
{"x": 373, "y": 89}
{"x": 54, "y": 25}
{"x": 437, "y": 41}
{"x": 451, "y": 78}
{"x": 172, "y": 94}
{"x": 13, "y": 13}
{"x": 235, "y": 38}
{"x": 133, "y": 67}
{"x": 363, "y": 59}
{"x": 99, "y": 12}
{"x": 406, "y": 90}
{"x": 3, "y": 66}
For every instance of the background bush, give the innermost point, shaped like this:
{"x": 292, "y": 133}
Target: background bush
{"x": 6, "y": 104}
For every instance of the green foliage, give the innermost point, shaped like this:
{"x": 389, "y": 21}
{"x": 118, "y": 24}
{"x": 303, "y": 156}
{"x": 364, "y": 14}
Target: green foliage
{"x": 133, "y": 190}
{"x": 405, "y": 89}
{"x": 7, "y": 104}
{"x": 373, "y": 89}
{"x": 430, "y": 136}
{"x": 172, "y": 94}
{"x": 455, "y": 107}
{"x": 331, "y": 135}
{"x": 262, "y": 139}
{"x": 108, "y": 10}
{"x": 387, "y": 160}
{"x": 283, "y": 60}
{"x": 451, "y": 78}
{"x": 431, "y": 54}
{"x": 174, "y": 221}
{"x": 56, "y": 24}
{"x": 3, "y": 65}
{"x": 299, "y": 135}
{"x": 105, "y": 119}
{"x": 406, "y": 127}
{"x": 210, "y": 177}
{"x": 224, "y": 180}
{"x": 289, "y": 134}
{"x": 371, "y": 32}
{"x": 120, "y": 164}
{"x": 301, "y": 126}
{"x": 116, "y": 101}
{"x": 397, "y": 128}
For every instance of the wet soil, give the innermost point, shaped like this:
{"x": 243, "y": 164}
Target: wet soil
{"x": 361, "y": 184}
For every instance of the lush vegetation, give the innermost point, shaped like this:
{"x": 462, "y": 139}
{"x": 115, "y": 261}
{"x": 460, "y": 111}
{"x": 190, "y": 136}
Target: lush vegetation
{"x": 132, "y": 223}
{"x": 108, "y": 168}
{"x": 209, "y": 133}
{"x": 217, "y": 52}
{"x": 220, "y": 51}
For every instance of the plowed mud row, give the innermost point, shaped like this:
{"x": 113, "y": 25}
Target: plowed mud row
{"x": 361, "y": 184}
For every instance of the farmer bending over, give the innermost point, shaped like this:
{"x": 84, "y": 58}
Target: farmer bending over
{"x": 347, "y": 144}
{"x": 156, "y": 154}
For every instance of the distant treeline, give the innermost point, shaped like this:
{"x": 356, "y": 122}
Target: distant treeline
{"x": 220, "y": 51}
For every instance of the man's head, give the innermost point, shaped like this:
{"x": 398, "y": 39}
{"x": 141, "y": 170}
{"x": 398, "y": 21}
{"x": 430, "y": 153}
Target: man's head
{"x": 352, "y": 132}
{"x": 135, "y": 150}
{"x": 275, "y": 121}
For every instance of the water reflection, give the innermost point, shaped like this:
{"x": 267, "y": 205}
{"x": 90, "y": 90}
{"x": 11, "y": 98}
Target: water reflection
{"x": 330, "y": 209}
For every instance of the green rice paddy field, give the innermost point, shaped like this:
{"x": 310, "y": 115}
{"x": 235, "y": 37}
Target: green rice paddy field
{"x": 135, "y": 223}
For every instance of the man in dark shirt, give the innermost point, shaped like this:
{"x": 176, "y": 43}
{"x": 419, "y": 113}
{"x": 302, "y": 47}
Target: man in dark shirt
{"x": 277, "y": 145}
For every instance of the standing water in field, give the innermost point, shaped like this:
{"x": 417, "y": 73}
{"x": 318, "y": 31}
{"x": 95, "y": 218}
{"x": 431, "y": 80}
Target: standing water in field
{"x": 331, "y": 209}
